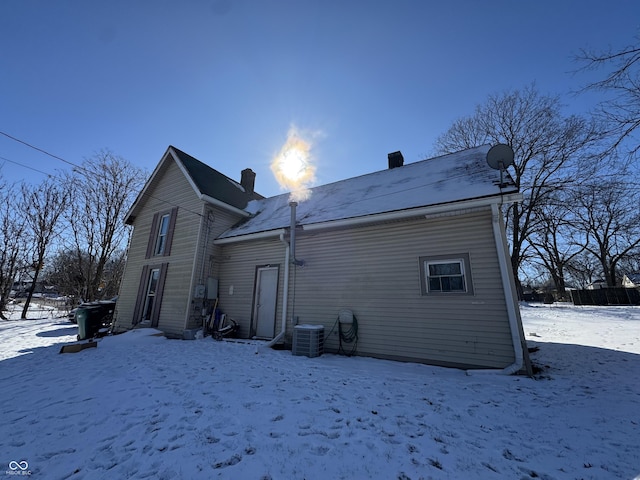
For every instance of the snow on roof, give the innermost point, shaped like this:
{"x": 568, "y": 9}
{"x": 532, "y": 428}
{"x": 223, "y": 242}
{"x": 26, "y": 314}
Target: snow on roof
{"x": 449, "y": 178}
{"x": 634, "y": 277}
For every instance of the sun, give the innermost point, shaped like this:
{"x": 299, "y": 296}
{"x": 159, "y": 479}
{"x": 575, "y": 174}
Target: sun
{"x": 293, "y": 166}
{"x": 293, "y": 163}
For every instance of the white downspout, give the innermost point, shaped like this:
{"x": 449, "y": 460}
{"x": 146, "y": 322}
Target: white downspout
{"x": 513, "y": 311}
{"x": 285, "y": 295}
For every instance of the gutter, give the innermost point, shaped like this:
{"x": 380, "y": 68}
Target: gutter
{"x": 251, "y": 236}
{"x": 508, "y": 286}
{"x": 226, "y": 206}
{"x": 285, "y": 295}
{"x": 414, "y": 212}
{"x": 379, "y": 217}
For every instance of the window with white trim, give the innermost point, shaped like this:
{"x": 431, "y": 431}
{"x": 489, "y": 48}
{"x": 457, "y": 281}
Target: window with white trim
{"x": 445, "y": 274}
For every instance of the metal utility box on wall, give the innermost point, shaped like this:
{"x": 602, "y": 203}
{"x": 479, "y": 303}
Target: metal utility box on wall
{"x": 308, "y": 340}
{"x": 198, "y": 291}
{"x": 212, "y": 288}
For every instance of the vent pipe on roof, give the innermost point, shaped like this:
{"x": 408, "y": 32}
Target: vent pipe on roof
{"x": 395, "y": 159}
{"x": 292, "y": 240}
{"x": 248, "y": 180}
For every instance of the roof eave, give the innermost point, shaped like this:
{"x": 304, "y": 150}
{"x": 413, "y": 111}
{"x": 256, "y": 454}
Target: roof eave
{"x": 464, "y": 205}
{"x": 130, "y": 216}
{"x": 416, "y": 212}
{"x": 223, "y": 205}
{"x": 171, "y": 154}
{"x": 250, "y": 236}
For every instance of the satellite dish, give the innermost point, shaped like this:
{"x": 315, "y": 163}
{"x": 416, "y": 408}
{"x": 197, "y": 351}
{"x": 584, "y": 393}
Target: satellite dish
{"x": 500, "y": 156}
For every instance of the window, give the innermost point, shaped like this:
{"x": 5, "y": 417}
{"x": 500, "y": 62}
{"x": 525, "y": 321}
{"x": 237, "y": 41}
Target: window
{"x": 163, "y": 230}
{"x": 149, "y": 299}
{"x": 445, "y": 275}
{"x": 149, "y": 302}
{"x": 161, "y": 233}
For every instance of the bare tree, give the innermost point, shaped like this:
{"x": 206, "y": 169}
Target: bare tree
{"x": 12, "y": 243}
{"x": 630, "y": 265}
{"x": 621, "y": 86}
{"x": 545, "y": 143}
{"x": 555, "y": 239}
{"x": 103, "y": 190}
{"x": 62, "y": 270}
{"x": 584, "y": 269}
{"x": 42, "y": 207}
{"x": 606, "y": 209}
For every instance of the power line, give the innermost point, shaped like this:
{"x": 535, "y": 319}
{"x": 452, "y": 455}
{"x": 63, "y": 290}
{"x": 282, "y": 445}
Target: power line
{"x": 77, "y": 168}
{"x": 27, "y": 166}
{"x": 41, "y": 150}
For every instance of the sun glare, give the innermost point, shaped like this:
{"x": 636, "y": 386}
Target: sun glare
{"x": 292, "y": 163}
{"x": 292, "y": 166}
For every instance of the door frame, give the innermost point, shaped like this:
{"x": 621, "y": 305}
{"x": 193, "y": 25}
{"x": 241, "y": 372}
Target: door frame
{"x": 254, "y": 305}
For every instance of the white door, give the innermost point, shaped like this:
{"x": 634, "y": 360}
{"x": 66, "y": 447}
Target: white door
{"x": 264, "y": 302}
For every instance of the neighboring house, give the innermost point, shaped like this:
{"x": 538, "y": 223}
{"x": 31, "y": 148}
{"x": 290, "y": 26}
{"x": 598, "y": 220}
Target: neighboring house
{"x": 631, "y": 280}
{"x": 597, "y": 284}
{"x": 417, "y": 252}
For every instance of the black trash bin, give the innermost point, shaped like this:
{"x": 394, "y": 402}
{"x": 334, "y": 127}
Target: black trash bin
{"x": 89, "y": 321}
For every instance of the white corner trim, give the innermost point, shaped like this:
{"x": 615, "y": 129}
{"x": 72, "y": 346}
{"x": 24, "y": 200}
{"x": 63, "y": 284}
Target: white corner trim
{"x": 513, "y": 312}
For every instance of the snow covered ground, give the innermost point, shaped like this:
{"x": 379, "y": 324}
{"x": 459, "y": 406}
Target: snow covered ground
{"x": 142, "y": 406}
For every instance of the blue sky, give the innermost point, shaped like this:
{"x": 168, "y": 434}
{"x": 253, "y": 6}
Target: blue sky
{"x": 224, "y": 80}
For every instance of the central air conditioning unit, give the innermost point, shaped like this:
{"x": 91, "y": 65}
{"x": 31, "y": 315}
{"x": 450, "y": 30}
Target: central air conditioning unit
{"x": 308, "y": 340}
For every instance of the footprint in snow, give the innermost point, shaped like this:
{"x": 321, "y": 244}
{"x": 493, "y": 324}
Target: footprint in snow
{"x": 234, "y": 460}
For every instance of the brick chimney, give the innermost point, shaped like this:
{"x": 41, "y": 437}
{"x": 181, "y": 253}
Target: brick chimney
{"x": 248, "y": 180}
{"x": 395, "y": 159}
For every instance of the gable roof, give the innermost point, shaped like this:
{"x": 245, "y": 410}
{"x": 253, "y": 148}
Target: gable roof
{"x": 445, "y": 180}
{"x": 208, "y": 184}
{"x": 633, "y": 278}
{"x": 214, "y": 184}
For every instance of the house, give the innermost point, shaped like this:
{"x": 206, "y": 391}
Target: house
{"x": 416, "y": 252}
{"x": 597, "y": 284}
{"x": 631, "y": 280}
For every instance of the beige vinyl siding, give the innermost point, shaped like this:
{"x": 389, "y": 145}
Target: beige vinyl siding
{"x": 237, "y": 273}
{"x": 208, "y": 258}
{"x": 375, "y": 272}
{"x": 170, "y": 189}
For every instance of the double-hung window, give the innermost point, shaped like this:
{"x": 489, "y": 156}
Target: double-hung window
{"x": 163, "y": 231}
{"x": 161, "y": 234}
{"x": 448, "y": 274}
{"x": 445, "y": 276}
{"x": 150, "y": 290}
{"x": 150, "y": 294}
